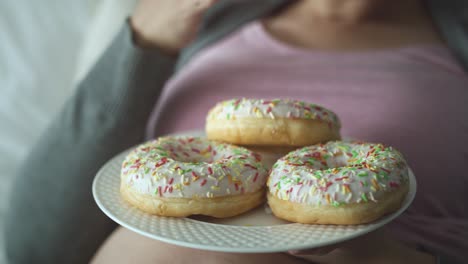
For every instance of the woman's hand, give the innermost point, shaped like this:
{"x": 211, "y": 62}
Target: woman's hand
{"x": 168, "y": 24}
{"x": 376, "y": 247}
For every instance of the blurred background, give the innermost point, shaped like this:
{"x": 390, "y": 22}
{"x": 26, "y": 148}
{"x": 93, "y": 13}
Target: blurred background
{"x": 46, "y": 47}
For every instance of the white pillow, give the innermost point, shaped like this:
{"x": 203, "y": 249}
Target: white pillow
{"x": 38, "y": 50}
{"x": 110, "y": 17}
{"x": 40, "y": 45}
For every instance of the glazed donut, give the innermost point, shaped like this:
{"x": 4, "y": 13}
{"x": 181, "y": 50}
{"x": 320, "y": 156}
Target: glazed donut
{"x": 182, "y": 176}
{"x": 288, "y": 123}
{"x": 338, "y": 183}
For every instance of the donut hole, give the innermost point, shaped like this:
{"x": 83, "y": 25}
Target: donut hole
{"x": 195, "y": 160}
{"x": 197, "y": 155}
{"x": 222, "y": 157}
{"x": 338, "y": 160}
{"x": 207, "y": 158}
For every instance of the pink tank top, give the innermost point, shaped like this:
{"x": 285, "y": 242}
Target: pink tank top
{"x": 413, "y": 98}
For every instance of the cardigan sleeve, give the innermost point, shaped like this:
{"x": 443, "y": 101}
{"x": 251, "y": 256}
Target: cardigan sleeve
{"x": 52, "y": 216}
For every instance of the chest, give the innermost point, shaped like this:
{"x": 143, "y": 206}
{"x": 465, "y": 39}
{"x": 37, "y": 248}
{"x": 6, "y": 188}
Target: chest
{"x": 378, "y": 91}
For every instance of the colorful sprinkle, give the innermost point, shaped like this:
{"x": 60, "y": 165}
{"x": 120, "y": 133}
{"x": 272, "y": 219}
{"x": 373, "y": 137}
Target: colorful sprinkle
{"x": 203, "y": 182}
{"x": 173, "y": 163}
{"x": 341, "y": 172}
{"x": 231, "y": 109}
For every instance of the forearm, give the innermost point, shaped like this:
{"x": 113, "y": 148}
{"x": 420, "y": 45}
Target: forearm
{"x": 53, "y": 218}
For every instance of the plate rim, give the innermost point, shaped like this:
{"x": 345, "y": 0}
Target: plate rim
{"x": 409, "y": 198}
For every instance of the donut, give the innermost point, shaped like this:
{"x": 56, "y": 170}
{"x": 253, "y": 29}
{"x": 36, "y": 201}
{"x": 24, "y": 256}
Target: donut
{"x": 342, "y": 183}
{"x": 183, "y": 176}
{"x": 272, "y": 123}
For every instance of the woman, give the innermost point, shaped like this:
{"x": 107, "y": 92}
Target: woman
{"x": 381, "y": 65}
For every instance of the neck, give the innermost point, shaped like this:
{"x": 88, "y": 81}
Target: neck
{"x": 354, "y": 11}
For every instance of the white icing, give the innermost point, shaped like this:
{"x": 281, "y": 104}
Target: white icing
{"x": 278, "y": 108}
{"x": 338, "y": 173}
{"x": 192, "y": 167}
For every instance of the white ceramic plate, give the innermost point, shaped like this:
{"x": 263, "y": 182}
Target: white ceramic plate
{"x": 256, "y": 231}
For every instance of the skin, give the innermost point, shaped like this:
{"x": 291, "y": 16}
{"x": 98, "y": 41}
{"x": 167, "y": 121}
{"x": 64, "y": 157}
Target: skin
{"x": 330, "y": 25}
{"x": 151, "y": 20}
{"x": 125, "y": 246}
{"x": 355, "y": 25}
